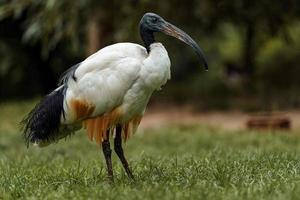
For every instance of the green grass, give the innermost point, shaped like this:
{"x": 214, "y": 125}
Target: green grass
{"x": 168, "y": 163}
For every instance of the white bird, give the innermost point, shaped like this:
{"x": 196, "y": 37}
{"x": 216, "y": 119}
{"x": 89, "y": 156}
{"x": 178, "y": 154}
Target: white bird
{"x": 107, "y": 92}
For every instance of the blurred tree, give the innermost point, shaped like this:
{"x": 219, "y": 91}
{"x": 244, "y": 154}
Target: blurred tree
{"x": 51, "y": 31}
{"x": 39, "y": 39}
{"x": 48, "y": 27}
{"x": 257, "y": 19}
{"x": 38, "y": 28}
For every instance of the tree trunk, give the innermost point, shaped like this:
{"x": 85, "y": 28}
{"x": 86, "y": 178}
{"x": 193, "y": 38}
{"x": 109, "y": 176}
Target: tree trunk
{"x": 249, "y": 51}
{"x": 99, "y": 29}
{"x": 93, "y": 40}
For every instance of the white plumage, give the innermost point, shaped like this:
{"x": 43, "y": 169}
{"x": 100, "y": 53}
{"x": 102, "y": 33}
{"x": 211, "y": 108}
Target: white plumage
{"x": 107, "y": 92}
{"x": 122, "y": 75}
{"x": 112, "y": 87}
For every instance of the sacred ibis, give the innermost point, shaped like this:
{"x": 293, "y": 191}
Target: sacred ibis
{"x": 107, "y": 93}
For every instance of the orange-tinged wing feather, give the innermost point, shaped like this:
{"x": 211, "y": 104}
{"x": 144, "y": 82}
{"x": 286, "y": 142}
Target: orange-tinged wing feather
{"x": 81, "y": 109}
{"x": 97, "y": 127}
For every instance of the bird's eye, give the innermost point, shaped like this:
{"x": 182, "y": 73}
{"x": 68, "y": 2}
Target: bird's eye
{"x": 154, "y": 19}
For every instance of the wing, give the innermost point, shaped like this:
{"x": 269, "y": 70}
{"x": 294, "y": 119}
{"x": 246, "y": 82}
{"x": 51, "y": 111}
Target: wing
{"x": 99, "y": 83}
{"x": 98, "y": 60}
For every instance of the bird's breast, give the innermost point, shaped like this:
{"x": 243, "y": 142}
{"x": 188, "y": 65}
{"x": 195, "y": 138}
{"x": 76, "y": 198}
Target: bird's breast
{"x": 156, "y": 67}
{"x": 153, "y": 74}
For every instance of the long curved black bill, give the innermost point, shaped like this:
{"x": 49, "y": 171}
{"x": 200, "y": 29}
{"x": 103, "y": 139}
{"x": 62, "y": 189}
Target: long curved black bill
{"x": 173, "y": 31}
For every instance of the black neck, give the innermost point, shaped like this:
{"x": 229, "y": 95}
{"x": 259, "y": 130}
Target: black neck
{"x": 147, "y": 37}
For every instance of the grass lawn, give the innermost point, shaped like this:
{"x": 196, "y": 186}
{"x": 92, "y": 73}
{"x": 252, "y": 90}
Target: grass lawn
{"x": 168, "y": 163}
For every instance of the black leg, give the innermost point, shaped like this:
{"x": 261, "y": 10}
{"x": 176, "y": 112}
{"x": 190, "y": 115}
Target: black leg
{"x": 107, "y": 154}
{"x": 119, "y": 151}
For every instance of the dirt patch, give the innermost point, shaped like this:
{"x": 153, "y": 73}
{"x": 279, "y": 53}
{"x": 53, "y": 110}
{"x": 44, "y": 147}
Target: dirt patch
{"x": 231, "y": 120}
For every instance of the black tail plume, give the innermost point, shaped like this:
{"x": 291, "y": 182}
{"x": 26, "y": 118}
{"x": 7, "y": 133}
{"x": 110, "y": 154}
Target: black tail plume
{"x": 42, "y": 124}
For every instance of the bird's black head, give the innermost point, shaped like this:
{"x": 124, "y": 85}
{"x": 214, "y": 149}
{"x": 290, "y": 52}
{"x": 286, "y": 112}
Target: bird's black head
{"x": 151, "y": 23}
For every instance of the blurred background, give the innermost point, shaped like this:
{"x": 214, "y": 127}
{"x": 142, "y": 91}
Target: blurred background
{"x": 198, "y": 123}
{"x": 252, "y": 47}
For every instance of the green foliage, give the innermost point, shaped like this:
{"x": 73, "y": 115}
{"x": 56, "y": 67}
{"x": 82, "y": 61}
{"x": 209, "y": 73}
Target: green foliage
{"x": 177, "y": 162}
{"x": 44, "y": 38}
{"x": 278, "y": 69}
{"x": 230, "y": 43}
{"x": 48, "y": 22}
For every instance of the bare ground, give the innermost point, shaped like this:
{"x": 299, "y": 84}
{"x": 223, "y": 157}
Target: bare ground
{"x": 159, "y": 116}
